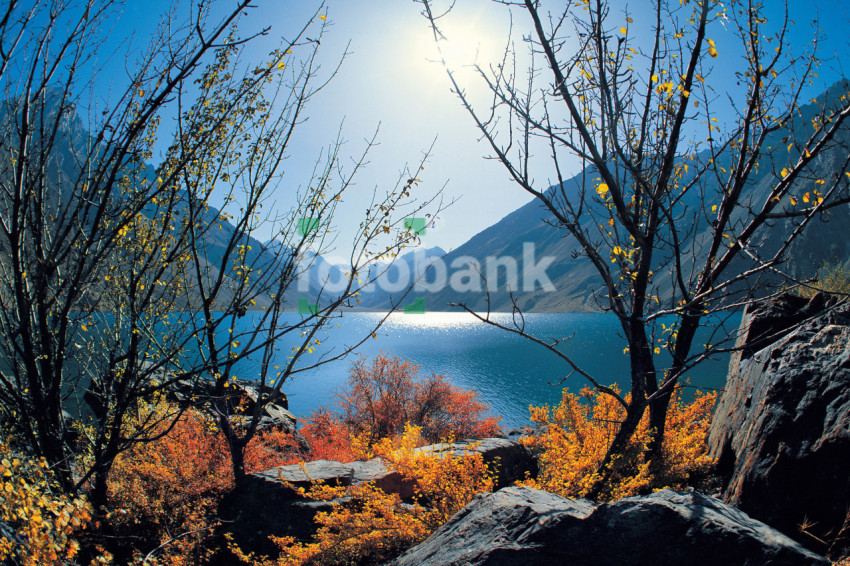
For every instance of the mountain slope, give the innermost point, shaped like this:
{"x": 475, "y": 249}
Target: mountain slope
{"x": 523, "y": 237}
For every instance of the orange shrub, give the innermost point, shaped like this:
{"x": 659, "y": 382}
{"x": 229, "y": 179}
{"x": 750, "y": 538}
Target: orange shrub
{"x": 444, "y": 482}
{"x": 386, "y": 395}
{"x": 577, "y": 435}
{"x": 165, "y": 493}
{"x": 325, "y": 437}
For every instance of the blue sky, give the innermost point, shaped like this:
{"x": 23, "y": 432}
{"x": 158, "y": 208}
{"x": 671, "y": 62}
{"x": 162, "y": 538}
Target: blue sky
{"x": 387, "y": 81}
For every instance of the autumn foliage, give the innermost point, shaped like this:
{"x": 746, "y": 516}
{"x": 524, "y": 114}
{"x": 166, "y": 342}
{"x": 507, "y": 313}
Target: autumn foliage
{"x": 578, "y": 432}
{"x": 39, "y": 524}
{"x": 370, "y": 526}
{"x": 386, "y": 395}
{"x": 164, "y": 494}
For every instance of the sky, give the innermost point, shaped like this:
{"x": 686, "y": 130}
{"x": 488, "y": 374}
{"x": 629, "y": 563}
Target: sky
{"x": 389, "y": 82}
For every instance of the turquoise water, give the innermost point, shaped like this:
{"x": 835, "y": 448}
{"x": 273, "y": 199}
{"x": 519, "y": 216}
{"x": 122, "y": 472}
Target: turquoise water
{"x": 508, "y": 371}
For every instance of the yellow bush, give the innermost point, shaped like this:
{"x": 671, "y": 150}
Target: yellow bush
{"x": 40, "y": 522}
{"x": 833, "y": 278}
{"x": 578, "y": 433}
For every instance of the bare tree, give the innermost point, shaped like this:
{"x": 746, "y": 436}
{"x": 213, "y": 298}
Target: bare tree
{"x": 682, "y": 184}
{"x": 119, "y": 279}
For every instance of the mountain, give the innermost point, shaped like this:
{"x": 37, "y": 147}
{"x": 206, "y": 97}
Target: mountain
{"x": 384, "y": 283}
{"x": 525, "y": 241}
{"x": 53, "y": 190}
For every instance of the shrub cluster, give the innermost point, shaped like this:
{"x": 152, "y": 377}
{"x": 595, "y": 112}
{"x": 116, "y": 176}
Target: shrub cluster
{"x": 577, "y": 433}
{"x": 164, "y": 494}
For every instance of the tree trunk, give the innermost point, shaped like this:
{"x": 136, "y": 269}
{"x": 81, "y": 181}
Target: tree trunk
{"x": 621, "y": 439}
{"x": 660, "y": 407}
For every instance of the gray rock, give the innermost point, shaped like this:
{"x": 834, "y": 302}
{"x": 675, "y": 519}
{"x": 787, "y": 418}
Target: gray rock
{"x": 269, "y": 504}
{"x": 528, "y": 527}
{"x": 510, "y": 460}
{"x": 781, "y": 431}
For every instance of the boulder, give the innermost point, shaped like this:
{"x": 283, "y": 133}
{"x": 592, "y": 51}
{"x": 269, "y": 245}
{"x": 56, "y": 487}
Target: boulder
{"x": 511, "y": 461}
{"x": 781, "y": 431}
{"x": 529, "y": 527}
{"x": 332, "y": 473}
{"x": 269, "y": 503}
{"x": 242, "y": 396}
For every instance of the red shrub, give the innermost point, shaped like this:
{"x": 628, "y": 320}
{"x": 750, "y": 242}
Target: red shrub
{"x": 386, "y": 395}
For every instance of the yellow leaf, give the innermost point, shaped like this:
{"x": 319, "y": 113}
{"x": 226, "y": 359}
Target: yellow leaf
{"x": 630, "y": 20}
{"x": 323, "y": 17}
{"x": 807, "y": 197}
{"x": 602, "y": 190}
{"x": 783, "y": 173}
{"x": 793, "y": 201}
{"x": 657, "y": 350}
{"x": 623, "y": 30}
{"x": 714, "y": 208}
{"x": 281, "y": 65}
{"x": 712, "y": 51}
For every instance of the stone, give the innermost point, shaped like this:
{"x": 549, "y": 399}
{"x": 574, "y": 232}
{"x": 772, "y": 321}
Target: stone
{"x": 268, "y": 503}
{"x": 510, "y": 460}
{"x": 781, "y": 430}
{"x": 529, "y": 527}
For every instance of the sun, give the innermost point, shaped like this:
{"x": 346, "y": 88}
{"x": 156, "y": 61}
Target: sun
{"x": 467, "y": 41}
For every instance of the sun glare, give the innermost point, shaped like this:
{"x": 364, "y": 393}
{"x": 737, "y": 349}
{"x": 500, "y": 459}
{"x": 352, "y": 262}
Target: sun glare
{"x": 465, "y": 43}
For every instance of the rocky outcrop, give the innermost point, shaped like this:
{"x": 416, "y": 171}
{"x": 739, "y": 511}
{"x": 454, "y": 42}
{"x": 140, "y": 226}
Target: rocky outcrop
{"x": 781, "y": 431}
{"x": 510, "y": 461}
{"x": 519, "y": 525}
{"x": 269, "y": 503}
{"x": 241, "y": 393}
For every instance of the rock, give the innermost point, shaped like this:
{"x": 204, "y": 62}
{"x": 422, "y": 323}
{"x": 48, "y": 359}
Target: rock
{"x": 528, "y": 527}
{"x": 242, "y": 396}
{"x": 511, "y": 460}
{"x": 521, "y": 431}
{"x": 781, "y": 431}
{"x": 251, "y": 515}
{"x": 265, "y": 506}
{"x": 268, "y": 503}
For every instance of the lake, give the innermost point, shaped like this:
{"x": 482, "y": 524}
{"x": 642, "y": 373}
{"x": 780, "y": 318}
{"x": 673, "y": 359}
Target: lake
{"x": 508, "y": 371}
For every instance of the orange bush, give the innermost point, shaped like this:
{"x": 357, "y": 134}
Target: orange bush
{"x": 165, "y": 493}
{"x": 386, "y": 395}
{"x": 577, "y": 435}
{"x": 325, "y": 437}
